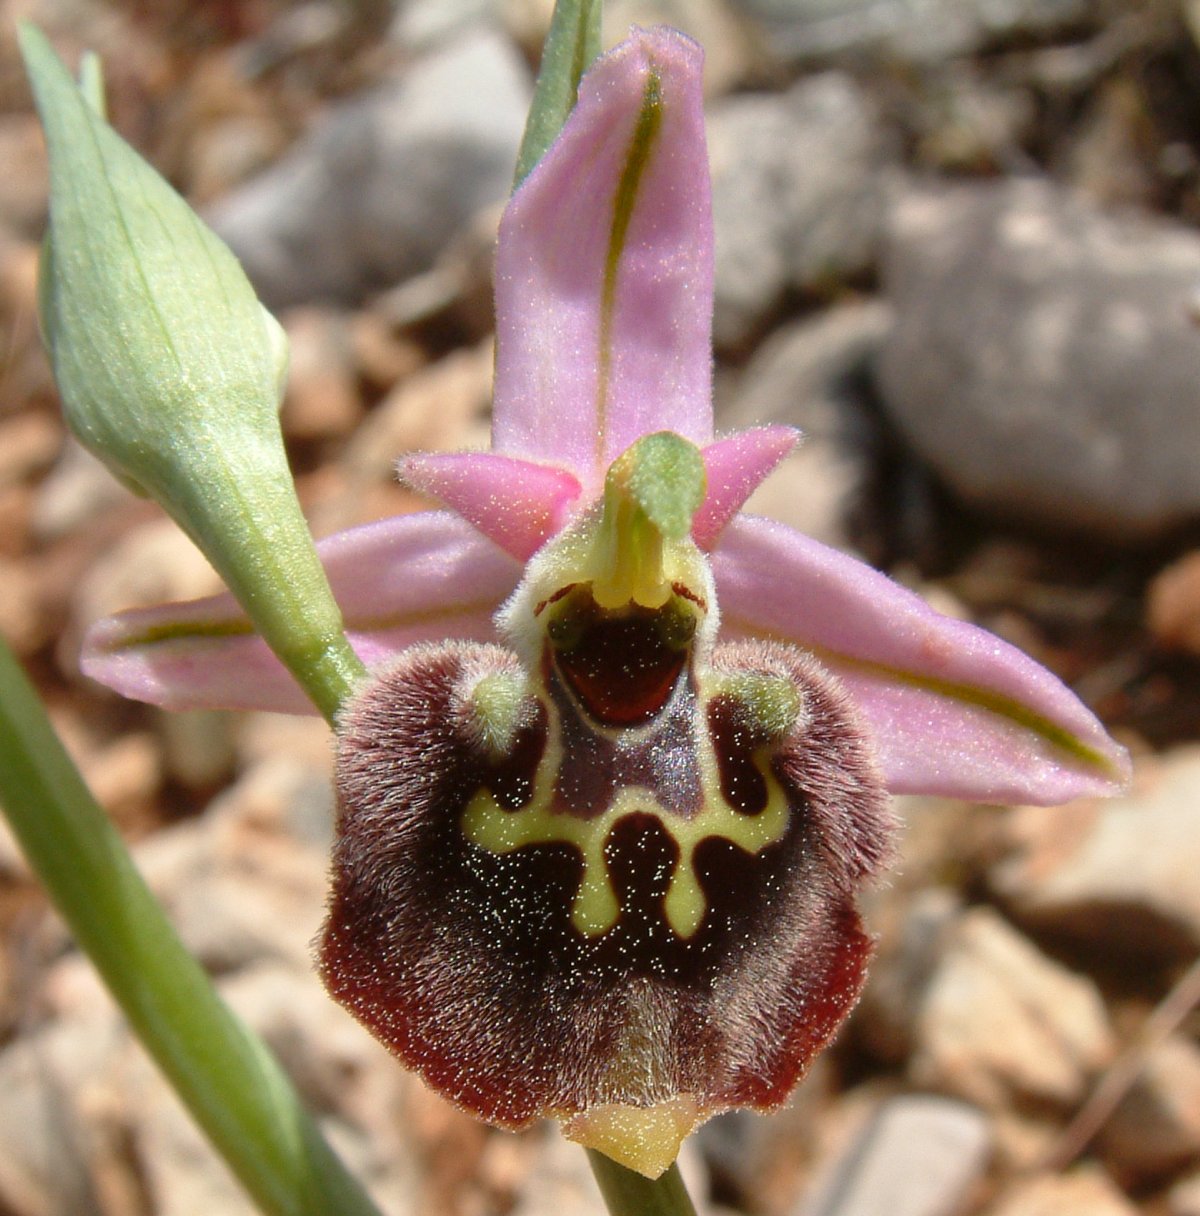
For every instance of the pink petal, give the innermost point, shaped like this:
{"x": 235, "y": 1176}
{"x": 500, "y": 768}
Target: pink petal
{"x": 604, "y": 270}
{"x": 422, "y": 577}
{"x": 734, "y": 467}
{"x": 515, "y": 503}
{"x": 954, "y": 710}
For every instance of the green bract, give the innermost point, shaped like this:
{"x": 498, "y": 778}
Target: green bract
{"x": 572, "y": 42}
{"x": 171, "y": 371}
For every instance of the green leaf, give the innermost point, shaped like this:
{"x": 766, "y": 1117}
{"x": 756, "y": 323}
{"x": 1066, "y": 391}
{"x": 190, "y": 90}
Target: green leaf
{"x": 572, "y": 43}
{"x": 223, "y": 1073}
{"x": 170, "y": 371}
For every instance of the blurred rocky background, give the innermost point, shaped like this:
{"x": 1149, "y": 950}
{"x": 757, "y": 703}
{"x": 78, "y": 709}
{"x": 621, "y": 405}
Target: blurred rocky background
{"x": 958, "y": 246}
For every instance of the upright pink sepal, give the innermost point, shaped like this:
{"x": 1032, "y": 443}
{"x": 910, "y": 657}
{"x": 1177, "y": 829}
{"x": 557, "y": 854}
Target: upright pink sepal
{"x": 409, "y": 579}
{"x": 515, "y": 503}
{"x": 604, "y": 270}
{"x": 954, "y": 710}
{"x": 734, "y": 467}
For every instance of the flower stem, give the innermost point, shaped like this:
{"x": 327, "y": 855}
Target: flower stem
{"x": 628, "y": 1193}
{"x": 225, "y": 1075}
{"x": 572, "y": 42}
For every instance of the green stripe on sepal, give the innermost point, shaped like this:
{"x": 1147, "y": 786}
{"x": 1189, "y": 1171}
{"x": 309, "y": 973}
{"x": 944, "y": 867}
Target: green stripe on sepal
{"x": 645, "y": 134}
{"x": 1008, "y": 708}
{"x": 1054, "y": 736}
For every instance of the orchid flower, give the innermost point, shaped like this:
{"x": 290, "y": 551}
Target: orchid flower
{"x": 621, "y": 763}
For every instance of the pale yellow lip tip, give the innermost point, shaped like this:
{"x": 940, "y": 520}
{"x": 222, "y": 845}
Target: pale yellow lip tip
{"x": 643, "y": 1138}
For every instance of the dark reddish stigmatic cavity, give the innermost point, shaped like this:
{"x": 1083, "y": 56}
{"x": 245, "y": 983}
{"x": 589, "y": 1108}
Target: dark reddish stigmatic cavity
{"x": 621, "y": 665}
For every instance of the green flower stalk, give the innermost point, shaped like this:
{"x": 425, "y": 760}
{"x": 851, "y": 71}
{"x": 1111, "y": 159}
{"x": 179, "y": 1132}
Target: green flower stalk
{"x": 221, "y": 1071}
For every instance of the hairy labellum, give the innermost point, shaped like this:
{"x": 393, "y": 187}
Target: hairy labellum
{"x": 629, "y": 919}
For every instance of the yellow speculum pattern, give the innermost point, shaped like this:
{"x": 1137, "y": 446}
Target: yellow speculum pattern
{"x": 596, "y": 909}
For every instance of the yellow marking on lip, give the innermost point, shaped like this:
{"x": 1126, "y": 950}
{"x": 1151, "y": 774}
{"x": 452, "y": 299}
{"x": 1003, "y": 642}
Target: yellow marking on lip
{"x": 596, "y": 909}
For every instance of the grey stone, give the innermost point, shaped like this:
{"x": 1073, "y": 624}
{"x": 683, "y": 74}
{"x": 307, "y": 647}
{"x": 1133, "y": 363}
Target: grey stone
{"x": 756, "y": 1159}
{"x": 377, "y": 190}
{"x": 971, "y": 120}
{"x": 909, "y": 951}
{"x": 240, "y": 886}
{"x": 797, "y": 199}
{"x": 920, "y": 1155}
{"x": 183, "y": 1176}
{"x": 1118, "y": 875}
{"x": 13, "y": 865}
{"x": 560, "y": 1182}
{"x": 814, "y": 375}
{"x": 918, "y": 31}
{"x": 29, "y": 443}
{"x": 1045, "y": 359}
{"x": 24, "y": 181}
{"x": 77, "y": 490}
{"x": 341, "y": 1073}
{"x": 198, "y": 748}
{"x": 382, "y": 1160}
{"x": 728, "y": 44}
{"x": 89, "y": 1120}
{"x": 152, "y": 563}
{"x": 1173, "y": 604}
{"x": 1183, "y": 1199}
{"x": 330, "y": 1058}
{"x": 442, "y": 407}
{"x": 419, "y": 24}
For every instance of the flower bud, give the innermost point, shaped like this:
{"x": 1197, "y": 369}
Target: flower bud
{"x": 170, "y": 371}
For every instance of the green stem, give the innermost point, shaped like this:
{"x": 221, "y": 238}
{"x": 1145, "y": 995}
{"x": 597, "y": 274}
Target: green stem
{"x": 572, "y": 42}
{"x": 258, "y": 541}
{"x": 330, "y": 676}
{"x": 631, "y": 1194}
{"x": 225, "y": 1075}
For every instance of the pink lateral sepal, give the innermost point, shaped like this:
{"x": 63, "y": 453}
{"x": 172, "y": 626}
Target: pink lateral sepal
{"x": 953, "y": 709}
{"x": 408, "y": 579}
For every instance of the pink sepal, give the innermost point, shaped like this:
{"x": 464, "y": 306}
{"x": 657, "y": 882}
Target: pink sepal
{"x": 604, "y": 270}
{"x": 413, "y": 578}
{"x": 954, "y": 710}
